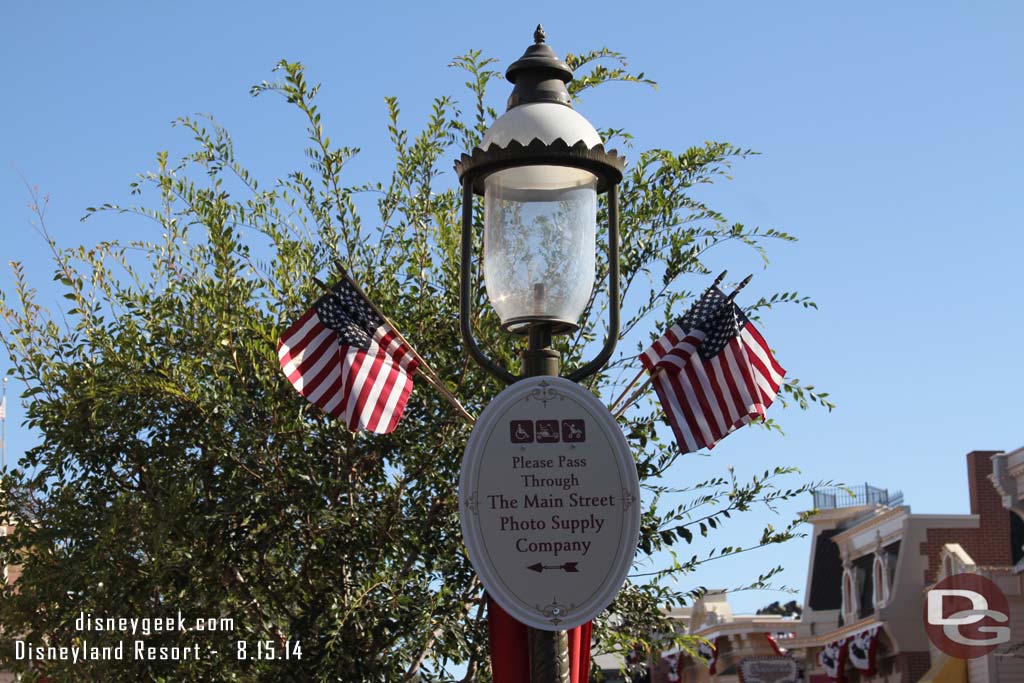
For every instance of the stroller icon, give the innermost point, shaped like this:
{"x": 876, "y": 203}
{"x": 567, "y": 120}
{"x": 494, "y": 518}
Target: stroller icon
{"x": 574, "y": 431}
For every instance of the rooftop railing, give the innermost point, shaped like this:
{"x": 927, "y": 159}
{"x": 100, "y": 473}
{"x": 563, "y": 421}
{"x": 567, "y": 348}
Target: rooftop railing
{"x": 862, "y": 495}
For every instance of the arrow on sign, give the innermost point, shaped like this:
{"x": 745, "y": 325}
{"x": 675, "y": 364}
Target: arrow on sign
{"x": 568, "y": 567}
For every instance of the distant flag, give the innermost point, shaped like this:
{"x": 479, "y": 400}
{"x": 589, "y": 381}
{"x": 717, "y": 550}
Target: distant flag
{"x": 348, "y": 361}
{"x": 771, "y": 641}
{"x": 832, "y": 658}
{"x": 709, "y": 653}
{"x": 713, "y": 372}
{"x": 670, "y": 666}
{"x": 3, "y": 408}
{"x": 862, "y": 650}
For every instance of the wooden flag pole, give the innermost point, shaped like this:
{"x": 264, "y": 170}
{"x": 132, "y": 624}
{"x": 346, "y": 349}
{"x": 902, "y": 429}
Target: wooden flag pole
{"x": 741, "y": 285}
{"x": 718, "y": 281}
{"x": 429, "y": 375}
{"x": 639, "y": 392}
{"x": 636, "y": 394}
{"x": 625, "y": 391}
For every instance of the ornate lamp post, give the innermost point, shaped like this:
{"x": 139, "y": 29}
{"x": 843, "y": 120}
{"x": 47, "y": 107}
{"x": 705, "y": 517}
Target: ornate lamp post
{"x": 540, "y": 169}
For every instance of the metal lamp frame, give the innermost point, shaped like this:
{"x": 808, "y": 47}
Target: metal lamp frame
{"x": 472, "y": 170}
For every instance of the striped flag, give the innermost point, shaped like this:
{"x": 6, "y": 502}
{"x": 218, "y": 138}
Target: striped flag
{"x": 348, "y": 361}
{"x": 3, "y": 408}
{"x": 712, "y": 371}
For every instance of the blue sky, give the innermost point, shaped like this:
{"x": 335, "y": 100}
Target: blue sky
{"x": 891, "y": 143}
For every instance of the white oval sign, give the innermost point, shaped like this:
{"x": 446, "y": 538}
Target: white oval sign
{"x": 549, "y": 503}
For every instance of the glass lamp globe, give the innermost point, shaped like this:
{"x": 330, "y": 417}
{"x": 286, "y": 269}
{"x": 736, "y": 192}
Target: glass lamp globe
{"x": 540, "y": 223}
{"x": 539, "y": 243}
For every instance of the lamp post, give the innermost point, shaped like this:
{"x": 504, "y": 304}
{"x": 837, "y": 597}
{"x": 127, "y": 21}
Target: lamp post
{"x": 540, "y": 169}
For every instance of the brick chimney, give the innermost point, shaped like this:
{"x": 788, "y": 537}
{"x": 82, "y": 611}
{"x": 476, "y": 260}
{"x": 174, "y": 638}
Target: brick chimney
{"x": 993, "y": 544}
{"x": 990, "y": 543}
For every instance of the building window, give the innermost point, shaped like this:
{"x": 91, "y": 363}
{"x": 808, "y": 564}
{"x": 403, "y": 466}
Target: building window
{"x": 881, "y": 582}
{"x": 864, "y": 582}
{"x": 892, "y": 556}
{"x": 849, "y": 594}
{"x": 947, "y": 566}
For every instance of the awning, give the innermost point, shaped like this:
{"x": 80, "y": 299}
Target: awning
{"x": 946, "y": 670}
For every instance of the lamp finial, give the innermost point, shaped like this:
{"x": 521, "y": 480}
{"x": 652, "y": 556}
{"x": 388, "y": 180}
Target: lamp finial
{"x": 539, "y": 75}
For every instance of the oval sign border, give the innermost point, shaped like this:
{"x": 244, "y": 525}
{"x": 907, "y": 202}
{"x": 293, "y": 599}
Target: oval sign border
{"x": 472, "y": 534}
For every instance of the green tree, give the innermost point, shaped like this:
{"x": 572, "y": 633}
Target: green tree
{"x": 177, "y": 470}
{"x": 788, "y": 609}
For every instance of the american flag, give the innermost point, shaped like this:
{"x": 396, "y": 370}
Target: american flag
{"x": 713, "y": 372}
{"x": 348, "y": 361}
